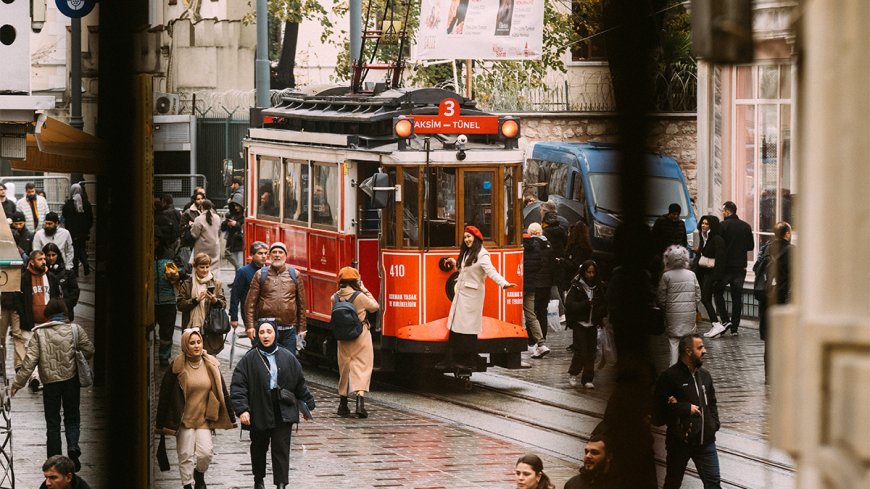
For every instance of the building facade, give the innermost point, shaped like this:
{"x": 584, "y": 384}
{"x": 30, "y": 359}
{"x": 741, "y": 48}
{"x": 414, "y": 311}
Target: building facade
{"x": 746, "y": 119}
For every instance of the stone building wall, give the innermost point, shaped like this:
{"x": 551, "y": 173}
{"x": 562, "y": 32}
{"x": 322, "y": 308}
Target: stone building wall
{"x": 671, "y": 134}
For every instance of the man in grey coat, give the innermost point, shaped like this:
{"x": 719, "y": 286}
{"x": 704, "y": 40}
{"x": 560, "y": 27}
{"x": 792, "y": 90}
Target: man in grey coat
{"x": 52, "y": 349}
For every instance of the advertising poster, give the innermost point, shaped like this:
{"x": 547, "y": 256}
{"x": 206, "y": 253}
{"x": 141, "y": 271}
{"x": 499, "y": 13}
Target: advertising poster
{"x": 480, "y": 29}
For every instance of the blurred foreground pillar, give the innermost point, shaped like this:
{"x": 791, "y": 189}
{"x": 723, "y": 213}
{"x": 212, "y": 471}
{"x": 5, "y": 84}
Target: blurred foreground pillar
{"x": 820, "y": 350}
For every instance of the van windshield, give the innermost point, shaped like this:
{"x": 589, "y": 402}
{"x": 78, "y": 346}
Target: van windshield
{"x": 662, "y": 193}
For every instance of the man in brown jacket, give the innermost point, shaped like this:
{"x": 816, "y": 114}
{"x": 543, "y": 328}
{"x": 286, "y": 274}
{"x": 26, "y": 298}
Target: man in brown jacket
{"x": 279, "y": 295}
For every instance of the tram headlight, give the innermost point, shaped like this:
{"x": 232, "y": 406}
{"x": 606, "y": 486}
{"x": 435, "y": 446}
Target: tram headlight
{"x": 509, "y": 129}
{"x": 403, "y": 127}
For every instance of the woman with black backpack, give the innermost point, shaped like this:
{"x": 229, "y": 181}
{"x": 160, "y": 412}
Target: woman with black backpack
{"x": 356, "y": 357}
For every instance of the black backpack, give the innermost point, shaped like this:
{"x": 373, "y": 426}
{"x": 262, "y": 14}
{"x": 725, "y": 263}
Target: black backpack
{"x": 760, "y": 270}
{"x": 344, "y": 320}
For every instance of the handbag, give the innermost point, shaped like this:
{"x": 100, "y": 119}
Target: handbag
{"x": 86, "y": 375}
{"x": 216, "y": 322}
{"x": 706, "y": 262}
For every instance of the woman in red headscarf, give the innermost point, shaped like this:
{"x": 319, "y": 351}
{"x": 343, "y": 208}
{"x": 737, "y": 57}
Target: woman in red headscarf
{"x": 466, "y": 312}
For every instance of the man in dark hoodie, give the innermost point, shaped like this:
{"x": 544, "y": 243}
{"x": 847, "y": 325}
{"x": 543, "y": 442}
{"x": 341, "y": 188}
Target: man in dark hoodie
{"x": 556, "y": 232}
{"x": 23, "y": 236}
{"x": 685, "y": 400}
{"x": 669, "y": 229}
{"x": 233, "y": 229}
{"x": 738, "y": 242}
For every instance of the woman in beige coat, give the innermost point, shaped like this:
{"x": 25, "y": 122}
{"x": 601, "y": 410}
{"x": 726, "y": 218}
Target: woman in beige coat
{"x": 466, "y": 313}
{"x": 356, "y": 357}
{"x": 206, "y": 230}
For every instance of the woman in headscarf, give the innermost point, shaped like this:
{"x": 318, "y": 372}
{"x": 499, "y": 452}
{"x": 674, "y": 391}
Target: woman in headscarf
{"x": 77, "y": 219}
{"x": 197, "y": 295}
{"x": 465, "y": 319}
{"x": 66, "y": 279}
{"x": 206, "y": 231}
{"x": 268, "y": 392}
{"x": 356, "y": 357}
{"x": 193, "y": 402}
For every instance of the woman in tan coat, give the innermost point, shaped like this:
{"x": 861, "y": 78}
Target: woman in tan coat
{"x": 197, "y": 295}
{"x": 356, "y": 357}
{"x": 466, "y": 312}
{"x": 206, "y": 230}
{"x": 193, "y": 402}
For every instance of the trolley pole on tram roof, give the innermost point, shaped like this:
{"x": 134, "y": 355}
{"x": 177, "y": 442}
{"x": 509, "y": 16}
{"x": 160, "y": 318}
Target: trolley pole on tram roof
{"x": 355, "y": 32}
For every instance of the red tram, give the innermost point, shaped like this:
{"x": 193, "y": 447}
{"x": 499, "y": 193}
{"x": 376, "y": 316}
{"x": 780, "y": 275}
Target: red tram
{"x": 351, "y": 180}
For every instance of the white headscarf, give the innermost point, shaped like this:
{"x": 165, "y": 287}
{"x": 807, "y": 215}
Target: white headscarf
{"x": 75, "y": 192}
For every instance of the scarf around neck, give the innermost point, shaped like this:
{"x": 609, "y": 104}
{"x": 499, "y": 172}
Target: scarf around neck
{"x": 197, "y": 286}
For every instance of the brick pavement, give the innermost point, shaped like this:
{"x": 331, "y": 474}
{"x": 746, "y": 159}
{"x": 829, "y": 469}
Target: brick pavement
{"x": 735, "y": 363}
{"x": 392, "y": 448}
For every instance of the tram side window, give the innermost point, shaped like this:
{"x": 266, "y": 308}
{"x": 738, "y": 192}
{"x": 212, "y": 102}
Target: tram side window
{"x": 442, "y": 207}
{"x": 478, "y": 201}
{"x": 295, "y": 193}
{"x": 268, "y": 182}
{"x": 510, "y": 199}
{"x": 324, "y": 194}
{"x": 410, "y": 208}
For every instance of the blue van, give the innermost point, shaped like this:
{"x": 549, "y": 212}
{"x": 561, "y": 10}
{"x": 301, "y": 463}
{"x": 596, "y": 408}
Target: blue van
{"x": 583, "y": 180}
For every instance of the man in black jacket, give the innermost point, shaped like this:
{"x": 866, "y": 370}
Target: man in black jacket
{"x": 686, "y": 401}
{"x": 669, "y": 229}
{"x": 738, "y": 242}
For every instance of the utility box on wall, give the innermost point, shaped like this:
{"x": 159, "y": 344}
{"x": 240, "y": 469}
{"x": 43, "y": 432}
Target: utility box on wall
{"x": 15, "y": 46}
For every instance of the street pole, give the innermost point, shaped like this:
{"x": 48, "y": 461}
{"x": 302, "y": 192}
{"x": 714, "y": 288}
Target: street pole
{"x": 262, "y": 63}
{"x": 355, "y": 32}
{"x": 75, "y": 86}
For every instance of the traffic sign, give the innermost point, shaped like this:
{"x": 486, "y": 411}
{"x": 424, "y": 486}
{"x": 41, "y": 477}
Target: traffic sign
{"x": 75, "y": 9}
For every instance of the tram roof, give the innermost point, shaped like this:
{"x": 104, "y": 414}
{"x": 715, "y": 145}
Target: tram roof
{"x": 368, "y": 116}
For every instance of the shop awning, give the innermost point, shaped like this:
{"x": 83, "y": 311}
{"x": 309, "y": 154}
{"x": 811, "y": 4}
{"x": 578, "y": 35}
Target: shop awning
{"x": 60, "y": 147}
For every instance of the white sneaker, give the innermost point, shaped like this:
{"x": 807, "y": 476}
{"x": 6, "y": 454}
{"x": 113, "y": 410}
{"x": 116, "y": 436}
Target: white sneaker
{"x": 532, "y": 349}
{"x": 572, "y": 379}
{"x": 540, "y": 351}
{"x": 589, "y": 385}
{"x": 716, "y": 330}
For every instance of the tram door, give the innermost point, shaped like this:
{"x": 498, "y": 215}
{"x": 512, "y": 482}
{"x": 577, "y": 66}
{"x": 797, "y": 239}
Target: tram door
{"x": 368, "y": 227}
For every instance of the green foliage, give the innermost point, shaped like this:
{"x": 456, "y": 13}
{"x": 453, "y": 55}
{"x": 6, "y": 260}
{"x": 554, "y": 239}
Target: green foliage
{"x": 291, "y": 10}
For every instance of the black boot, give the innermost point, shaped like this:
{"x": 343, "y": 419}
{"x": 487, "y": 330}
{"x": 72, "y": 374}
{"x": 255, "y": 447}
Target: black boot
{"x": 74, "y": 455}
{"x": 281, "y": 485}
{"x": 361, "y": 407}
{"x": 199, "y": 480}
{"x": 258, "y": 484}
{"x": 188, "y": 486}
{"x": 343, "y": 409}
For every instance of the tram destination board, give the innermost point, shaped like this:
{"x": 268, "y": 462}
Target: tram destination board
{"x": 450, "y": 121}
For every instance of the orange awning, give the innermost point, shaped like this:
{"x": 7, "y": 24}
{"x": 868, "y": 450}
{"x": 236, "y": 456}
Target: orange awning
{"x": 61, "y": 148}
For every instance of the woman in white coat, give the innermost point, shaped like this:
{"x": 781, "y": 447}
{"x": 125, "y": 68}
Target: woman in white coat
{"x": 206, "y": 230}
{"x": 466, "y": 313}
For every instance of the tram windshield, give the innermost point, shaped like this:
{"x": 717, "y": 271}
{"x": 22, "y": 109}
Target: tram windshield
{"x": 445, "y": 200}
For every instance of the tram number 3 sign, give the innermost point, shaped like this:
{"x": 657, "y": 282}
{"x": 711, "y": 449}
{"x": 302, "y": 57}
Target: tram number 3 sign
{"x": 450, "y": 121}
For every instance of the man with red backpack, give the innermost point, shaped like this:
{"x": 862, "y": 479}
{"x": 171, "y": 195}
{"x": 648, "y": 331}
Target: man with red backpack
{"x": 277, "y": 293}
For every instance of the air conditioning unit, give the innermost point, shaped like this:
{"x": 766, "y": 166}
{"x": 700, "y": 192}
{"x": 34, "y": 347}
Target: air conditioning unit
{"x": 166, "y": 103}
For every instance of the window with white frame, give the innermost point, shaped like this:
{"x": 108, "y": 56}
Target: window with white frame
{"x": 761, "y": 183}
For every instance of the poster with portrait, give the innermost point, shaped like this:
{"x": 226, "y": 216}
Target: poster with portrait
{"x": 480, "y": 29}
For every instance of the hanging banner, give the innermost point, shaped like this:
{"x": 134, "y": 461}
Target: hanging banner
{"x": 480, "y": 29}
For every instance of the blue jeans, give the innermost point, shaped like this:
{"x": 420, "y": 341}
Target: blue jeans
{"x": 66, "y": 393}
{"x": 706, "y": 461}
{"x": 287, "y": 339}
